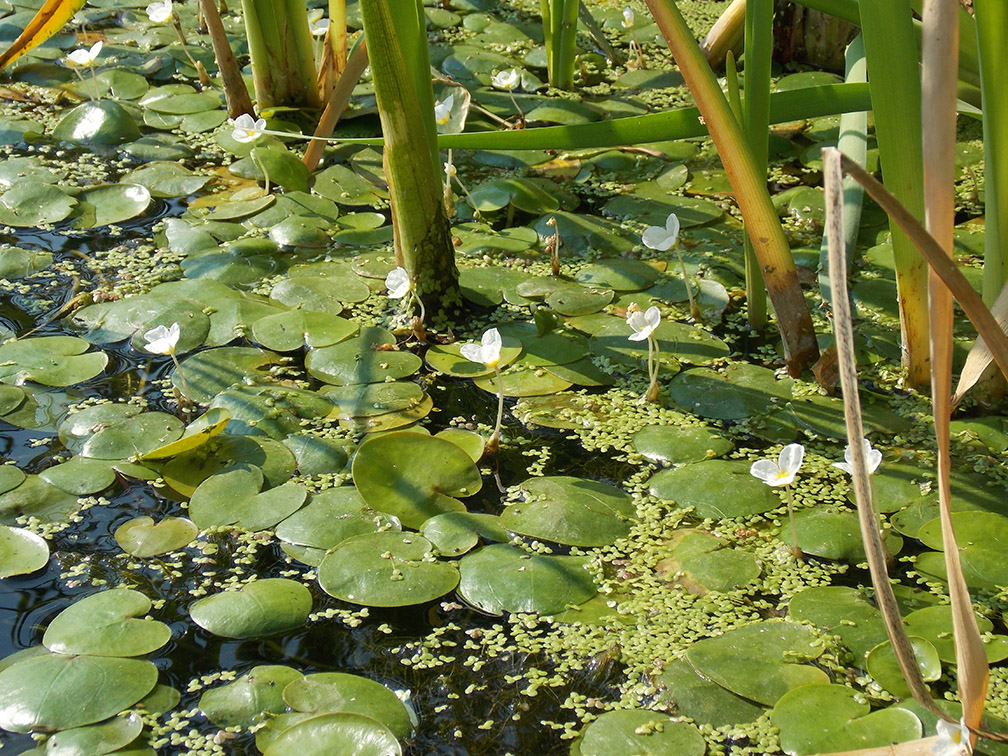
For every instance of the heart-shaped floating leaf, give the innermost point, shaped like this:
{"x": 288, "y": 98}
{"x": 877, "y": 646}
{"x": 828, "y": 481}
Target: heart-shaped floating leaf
{"x": 331, "y": 517}
{"x": 716, "y": 488}
{"x": 208, "y": 373}
{"x": 135, "y": 438}
{"x": 357, "y": 361}
{"x": 106, "y": 624}
{"x": 699, "y": 563}
{"x": 842, "y": 611}
{"x": 232, "y": 497}
{"x": 96, "y": 739}
{"x": 327, "y": 734}
{"x": 740, "y": 391}
{"x": 57, "y": 692}
{"x": 455, "y": 533}
{"x": 142, "y": 538}
{"x": 830, "y": 718}
{"x": 761, "y": 661}
{"x": 336, "y": 692}
{"x": 386, "y": 569}
{"x": 618, "y": 273}
{"x": 701, "y": 700}
{"x": 629, "y": 732}
{"x": 571, "y": 511}
{"x": 113, "y": 203}
{"x": 835, "y": 533}
{"x": 294, "y": 329}
{"x": 316, "y": 455}
{"x": 244, "y": 701}
{"x": 413, "y": 477}
{"x": 185, "y": 472}
{"x": 503, "y": 578}
{"x": 259, "y": 608}
{"x": 680, "y": 444}
{"x": 882, "y": 665}
{"x": 935, "y": 624}
{"x": 36, "y": 498}
{"x": 21, "y": 552}
{"x": 28, "y": 204}
{"x": 80, "y": 476}
{"x": 49, "y": 360}
{"x": 448, "y": 359}
{"x": 275, "y": 411}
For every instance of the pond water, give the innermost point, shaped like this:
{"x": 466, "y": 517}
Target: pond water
{"x": 329, "y": 560}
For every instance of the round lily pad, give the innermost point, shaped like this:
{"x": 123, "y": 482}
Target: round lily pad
{"x": 629, "y": 732}
{"x": 59, "y": 692}
{"x": 233, "y": 497}
{"x": 934, "y": 623}
{"x": 761, "y": 661}
{"x": 132, "y": 317}
{"x": 97, "y": 122}
{"x": 113, "y": 203}
{"x": 448, "y": 359}
{"x": 36, "y": 498}
{"x": 684, "y": 343}
{"x": 357, "y": 361}
{"x": 197, "y": 433}
{"x": 372, "y": 399}
{"x": 166, "y": 179}
{"x": 680, "y": 444}
{"x": 716, "y": 488}
{"x": 412, "y": 477}
{"x": 208, "y": 373}
{"x": 336, "y": 692}
{"x": 455, "y": 533}
{"x": 80, "y": 476}
{"x": 571, "y": 511}
{"x": 141, "y": 537}
{"x": 503, "y": 578}
{"x": 700, "y": 563}
{"x": 326, "y": 293}
{"x": 831, "y": 718}
{"x": 316, "y": 455}
{"x": 287, "y": 331}
{"x": 18, "y": 263}
{"x": 881, "y": 664}
{"x": 244, "y": 701}
{"x": 274, "y": 411}
{"x": 331, "y": 517}
{"x": 981, "y": 537}
{"x": 106, "y": 624}
{"x": 386, "y": 569}
{"x": 739, "y": 391}
{"x": 618, "y": 273}
{"x": 186, "y": 471}
{"x": 524, "y": 379}
{"x": 49, "y": 360}
{"x": 342, "y": 733}
{"x": 138, "y": 436}
{"x": 523, "y": 194}
{"x": 834, "y": 533}
{"x": 840, "y": 610}
{"x": 21, "y": 552}
{"x": 96, "y": 739}
{"x": 703, "y": 701}
{"x": 259, "y": 608}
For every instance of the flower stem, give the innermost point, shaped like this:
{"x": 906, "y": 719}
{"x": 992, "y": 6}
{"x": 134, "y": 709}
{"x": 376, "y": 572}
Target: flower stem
{"x": 178, "y": 372}
{"x": 694, "y": 310}
{"x": 652, "y": 359}
{"x": 262, "y": 168}
{"x": 419, "y": 301}
{"x": 493, "y": 444}
{"x": 794, "y": 529}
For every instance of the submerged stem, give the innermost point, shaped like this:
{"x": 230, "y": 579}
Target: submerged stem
{"x": 796, "y": 550}
{"x": 493, "y": 443}
{"x": 694, "y": 310}
{"x": 178, "y": 372}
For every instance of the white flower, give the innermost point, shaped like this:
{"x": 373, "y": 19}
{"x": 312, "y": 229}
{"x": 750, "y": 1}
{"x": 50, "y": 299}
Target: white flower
{"x": 162, "y": 340}
{"x": 628, "y": 18}
{"x": 398, "y": 283}
{"x": 783, "y": 471}
{"x": 442, "y": 110}
{"x": 506, "y": 79}
{"x": 643, "y": 323}
{"x": 247, "y": 129}
{"x": 84, "y": 57}
{"x": 450, "y": 170}
{"x": 319, "y": 28}
{"x": 873, "y": 458}
{"x": 160, "y": 11}
{"x": 488, "y": 352}
{"x": 952, "y": 740}
{"x": 662, "y": 239}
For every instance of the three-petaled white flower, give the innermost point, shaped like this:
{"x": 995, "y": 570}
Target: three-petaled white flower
{"x": 398, "y": 283}
{"x": 319, "y": 27}
{"x": 952, "y": 740}
{"x": 442, "y": 110}
{"x": 247, "y": 129}
{"x": 162, "y": 340}
{"x": 160, "y": 11}
{"x": 506, "y": 79}
{"x": 662, "y": 239}
{"x": 488, "y": 352}
{"x": 642, "y": 323}
{"x": 628, "y": 17}
{"x": 873, "y": 458}
{"x": 783, "y": 471}
{"x": 84, "y": 57}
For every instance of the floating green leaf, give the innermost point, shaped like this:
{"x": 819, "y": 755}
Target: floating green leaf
{"x": 628, "y": 732}
{"x": 96, "y": 739}
{"x": 260, "y": 607}
{"x": 243, "y": 702}
{"x": 326, "y": 734}
{"x": 106, "y": 624}
{"x": 21, "y": 552}
{"x": 233, "y": 497}
{"x": 141, "y": 537}
{"x": 716, "y": 488}
{"x": 338, "y": 692}
{"x": 49, "y": 360}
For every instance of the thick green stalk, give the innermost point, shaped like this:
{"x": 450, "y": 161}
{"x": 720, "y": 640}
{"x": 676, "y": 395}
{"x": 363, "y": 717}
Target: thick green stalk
{"x": 756, "y": 123}
{"x": 749, "y": 185}
{"x": 853, "y": 143}
{"x": 422, "y": 234}
{"x": 992, "y": 41}
{"x": 411, "y": 31}
{"x": 894, "y": 79}
{"x": 562, "y": 68}
{"x": 280, "y": 44}
{"x": 337, "y": 33}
